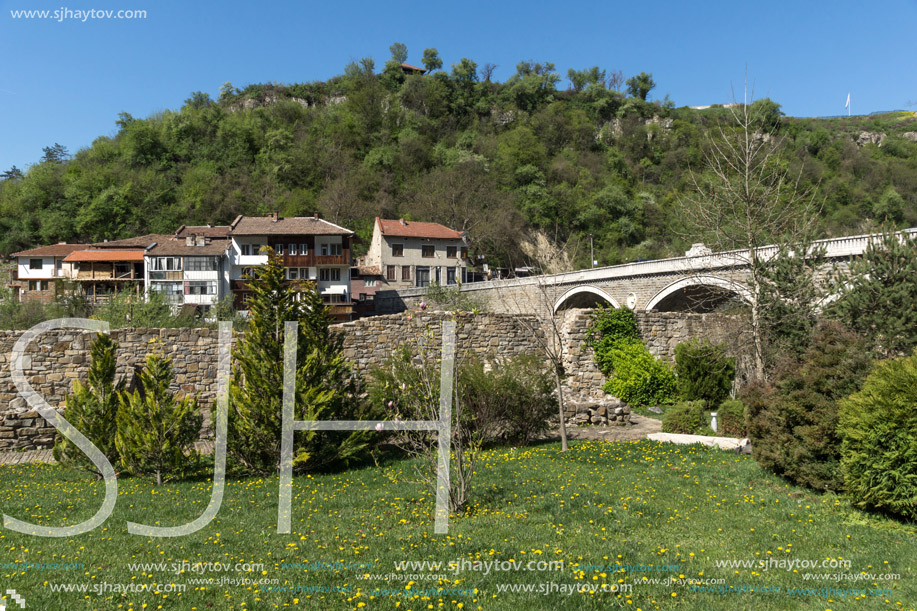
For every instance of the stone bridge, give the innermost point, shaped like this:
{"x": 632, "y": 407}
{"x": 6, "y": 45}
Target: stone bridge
{"x": 699, "y": 282}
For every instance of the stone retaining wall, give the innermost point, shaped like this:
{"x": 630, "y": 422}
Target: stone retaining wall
{"x": 58, "y": 357}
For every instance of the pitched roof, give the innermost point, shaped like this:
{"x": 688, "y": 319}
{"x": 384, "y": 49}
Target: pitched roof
{"x": 274, "y": 225}
{"x": 54, "y": 250}
{"x": 138, "y": 242}
{"x": 363, "y": 270}
{"x": 414, "y": 229}
{"x": 179, "y": 247}
{"x": 211, "y": 231}
{"x": 104, "y": 254}
{"x": 414, "y": 68}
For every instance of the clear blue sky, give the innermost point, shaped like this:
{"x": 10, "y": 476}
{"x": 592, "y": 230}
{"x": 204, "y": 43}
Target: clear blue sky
{"x": 67, "y": 81}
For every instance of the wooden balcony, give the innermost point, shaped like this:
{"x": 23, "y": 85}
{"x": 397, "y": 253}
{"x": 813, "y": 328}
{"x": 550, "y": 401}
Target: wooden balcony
{"x": 314, "y": 260}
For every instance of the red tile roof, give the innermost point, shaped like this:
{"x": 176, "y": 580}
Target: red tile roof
{"x": 106, "y": 254}
{"x": 410, "y": 67}
{"x": 416, "y": 229}
{"x": 54, "y": 250}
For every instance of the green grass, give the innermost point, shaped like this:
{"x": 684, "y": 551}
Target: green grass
{"x": 640, "y": 503}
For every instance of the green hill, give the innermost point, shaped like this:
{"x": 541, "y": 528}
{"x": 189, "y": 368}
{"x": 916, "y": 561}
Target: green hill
{"x": 505, "y": 161}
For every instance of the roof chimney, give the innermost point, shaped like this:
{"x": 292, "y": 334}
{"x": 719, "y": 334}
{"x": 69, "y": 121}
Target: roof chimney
{"x": 315, "y": 216}
{"x": 403, "y": 222}
{"x": 189, "y": 240}
{"x": 200, "y": 240}
{"x": 274, "y": 216}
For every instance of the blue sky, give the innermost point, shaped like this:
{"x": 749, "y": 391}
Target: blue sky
{"x": 67, "y": 81}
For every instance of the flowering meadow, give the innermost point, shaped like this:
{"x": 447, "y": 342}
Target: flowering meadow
{"x": 631, "y": 525}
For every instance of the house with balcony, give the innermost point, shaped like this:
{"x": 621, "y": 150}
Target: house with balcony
{"x": 190, "y": 270}
{"x": 310, "y": 249}
{"x": 37, "y": 273}
{"x": 415, "y": 254}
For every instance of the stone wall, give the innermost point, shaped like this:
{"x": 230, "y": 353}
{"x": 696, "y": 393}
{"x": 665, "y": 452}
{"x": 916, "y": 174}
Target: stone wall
{"x": 58, "y": 357}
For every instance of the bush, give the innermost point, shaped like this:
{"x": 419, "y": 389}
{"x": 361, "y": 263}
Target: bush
{"x": 686, "y": 418}
{"x": 156, "y": 433}
{"x": 793, "y": 422}
{"x": 704, "y": 371}
{"x": 513, "y": 401}
{"x": 879, "y": 450}
{"x": 610, "y": 326}
{"x": 730, "y": 417}
{"x": 639, "y": 378}
{"x": 93, "y": 408}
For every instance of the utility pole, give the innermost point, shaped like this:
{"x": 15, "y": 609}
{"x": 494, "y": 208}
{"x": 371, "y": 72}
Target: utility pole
{"x": 591, "y": 252}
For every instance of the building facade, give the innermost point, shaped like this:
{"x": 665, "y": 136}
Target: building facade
{"x": 414, "y": 254}
{"x": 309, "y": 247}
{"x": 190, "y": 271}
{"x": 37, "y": 274}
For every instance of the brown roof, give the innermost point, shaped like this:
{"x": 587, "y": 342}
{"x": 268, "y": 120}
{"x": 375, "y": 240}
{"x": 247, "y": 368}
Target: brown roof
{"x": 104, "y": 254}
{"x": 298, "y": 225}
{"x": 179, "y": 247}
{"x": 138, "y": 242}
{"x": 414, "y": 229}
{"x": 54, "y": 250}
{"x": 363, "y": 270}
{"x": 410, "y": 67}
{"x": 211, "y": 231}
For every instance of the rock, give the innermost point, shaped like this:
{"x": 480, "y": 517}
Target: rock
{"x": 912, "y": 136}
{"x": 870, "y": 138}
{"x": 655, "y": 409}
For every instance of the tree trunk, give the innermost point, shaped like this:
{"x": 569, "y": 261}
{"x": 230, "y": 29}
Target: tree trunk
{"x": 560, "y": 404}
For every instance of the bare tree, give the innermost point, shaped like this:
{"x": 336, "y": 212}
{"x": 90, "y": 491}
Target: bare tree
{"x": 487, "y": 71}
{"x": 616, "y": 80}
{"x": 745, "y": 199}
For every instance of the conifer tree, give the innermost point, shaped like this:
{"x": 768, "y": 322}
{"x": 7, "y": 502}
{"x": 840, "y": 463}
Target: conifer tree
{"x": 93, "y": 408}
{"x": 156, "y": 432}
{"x": 324, "y": 382}
{"x": 878, "y": 297}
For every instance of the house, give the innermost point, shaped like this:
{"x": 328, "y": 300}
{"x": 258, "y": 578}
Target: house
{"x": 310, "y": 248}
{"x": 364, "y": 282}
{"x": 190, "y": 269}
{"x": 408, "y": 69}
{"x": 414, "y": 254}
{"x": 38, "y": 272}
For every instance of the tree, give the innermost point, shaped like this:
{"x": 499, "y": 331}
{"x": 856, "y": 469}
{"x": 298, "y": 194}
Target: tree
{"x": 93, "y": 408}
{"x": 745, "y": 199}
{"x": 55, "y": 154}
{"x": 580, "y": 79}
{"x": 156, "y": 432}
{"x": 399, "y": 52}
{"x": 877, "y": 294}
{"x": 431, "y": 60}
{"x": 13, "y": 173}
{"x": 616, "y": 80}
{"x": 324, "y": 384}
{"x": 639, "y": 86}
{"x": 487, "y": 71}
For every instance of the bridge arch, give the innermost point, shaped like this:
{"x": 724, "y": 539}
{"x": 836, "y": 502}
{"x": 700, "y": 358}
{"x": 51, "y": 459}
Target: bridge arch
{"x": 584, "y": 297}
{"x": 706, "y": 290}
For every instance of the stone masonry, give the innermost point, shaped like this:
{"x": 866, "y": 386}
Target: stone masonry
{"x": 58, "y": 357}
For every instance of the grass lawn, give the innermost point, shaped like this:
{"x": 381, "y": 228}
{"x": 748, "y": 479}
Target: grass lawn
{"x": 629, "y": 515}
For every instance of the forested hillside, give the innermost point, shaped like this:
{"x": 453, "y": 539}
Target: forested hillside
{"x": 503, "y": 160}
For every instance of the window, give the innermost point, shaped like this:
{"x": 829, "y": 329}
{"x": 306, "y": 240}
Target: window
{"x": 35, "y": 263}
{"x": 464, "y": 252}
{"x": 60, "y": 264}
{"x": 171, "y": 290}
{"x": 201, "y": 264}
{"x": 423, "y": 276}
{"x": 200, "y": 287}
{"x": 246, "y": 249}
{"x": 427, "y": 250}
{"x": 329, "y": 274}
{"x": 438, "y": 275}
{"x": 451, "y": 252}
{"x": 335, "y": 298}
{"x": 450, "y": 275}
{"x": 39, "y": 285}
{"x": 390, "y": 272}
{"x": 166, "y": 264}
{"x": 293, "y": 273}
{"x": 304, "y": 273}
{"x": 279, "y": 249}
{"x": 331, "y": 249}
{"x": 369, "y": 283}
{"x": 292, "y": 249}
{"x": 303, "y": 249}
{"x": 397, "y": 250}
{"x": 406, "y": 273}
